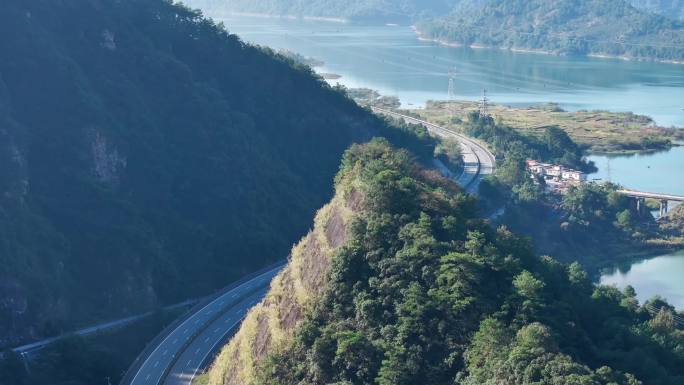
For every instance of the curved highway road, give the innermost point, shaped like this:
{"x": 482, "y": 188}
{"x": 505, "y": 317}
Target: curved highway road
{"x": 187, "y": 349}
{"x": 478, "y": 160}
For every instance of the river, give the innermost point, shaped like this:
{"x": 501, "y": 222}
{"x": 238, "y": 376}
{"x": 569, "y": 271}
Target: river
{"x": 392, "y": 60}
{"x": 655, "y": 276}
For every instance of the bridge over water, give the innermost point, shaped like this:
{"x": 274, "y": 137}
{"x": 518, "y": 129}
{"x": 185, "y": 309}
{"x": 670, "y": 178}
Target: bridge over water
{"x": 641, "y": 196}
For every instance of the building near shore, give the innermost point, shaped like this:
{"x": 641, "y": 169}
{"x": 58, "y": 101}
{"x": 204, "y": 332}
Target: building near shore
{"x": 557, "y": 177}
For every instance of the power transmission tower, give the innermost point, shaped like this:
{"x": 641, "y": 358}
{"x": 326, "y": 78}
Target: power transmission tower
{"x": 484, "y": 105}
{"x": 452, "y": 92}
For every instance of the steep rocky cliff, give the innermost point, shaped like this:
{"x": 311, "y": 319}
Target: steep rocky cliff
{"x": 399, "y": 283}
{"x": 271, "y": 325}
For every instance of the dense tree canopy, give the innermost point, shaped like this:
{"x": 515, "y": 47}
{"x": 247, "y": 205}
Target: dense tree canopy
{"x": 146, "y": 156}
{"x": 571, "y": 27}
{"x": 425, "y": 293}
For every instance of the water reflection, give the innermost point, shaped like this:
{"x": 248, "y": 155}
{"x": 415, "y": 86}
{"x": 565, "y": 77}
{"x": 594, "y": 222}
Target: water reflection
{"x": 662, "y": 275}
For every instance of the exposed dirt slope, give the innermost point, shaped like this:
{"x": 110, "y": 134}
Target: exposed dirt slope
{"x": 271, "y": 324}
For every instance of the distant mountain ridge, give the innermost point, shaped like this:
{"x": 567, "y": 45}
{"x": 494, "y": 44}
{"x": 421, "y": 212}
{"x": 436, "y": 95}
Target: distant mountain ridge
{"x": 570, "y": 27}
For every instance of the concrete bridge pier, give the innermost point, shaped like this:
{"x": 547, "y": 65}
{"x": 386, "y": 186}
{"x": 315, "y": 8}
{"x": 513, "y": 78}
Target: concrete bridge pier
{"x": 664, "y": 199}
{"x": 640, "y": 205}
{"x": 663, "y": 208}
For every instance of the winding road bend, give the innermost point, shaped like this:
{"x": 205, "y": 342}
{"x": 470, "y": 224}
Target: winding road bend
{"x": 184, "y": 351}
{"x": 478, "y": 160}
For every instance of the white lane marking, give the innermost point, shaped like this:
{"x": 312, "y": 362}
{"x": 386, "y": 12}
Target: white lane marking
{"x": 189, "y": 362}
{"x": 217, "y": 330}
{"x": 148, "y": 377}
{"x": 197, "y": 351}
{"x": 218, "y": 341}
{"x": 267, "y": 275}
{"x": 174, "y": 341}
{"x": 207, "y": 340}
{"x": 156, "y": 364}
{"x": 186, "y": 331}
{"x": 164, "y": 352}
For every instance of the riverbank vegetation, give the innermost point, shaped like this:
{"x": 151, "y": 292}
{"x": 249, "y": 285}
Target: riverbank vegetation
{"x": 422, "y": 291}
{"x": 367, "y": 97}
{"x": 590, "y": 223}
{"x": 674, "y": 222}
{"x": 597, "y": 131}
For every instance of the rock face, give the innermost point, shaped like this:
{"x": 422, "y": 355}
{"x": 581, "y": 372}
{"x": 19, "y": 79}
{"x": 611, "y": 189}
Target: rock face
{"x": 271, "y": 324}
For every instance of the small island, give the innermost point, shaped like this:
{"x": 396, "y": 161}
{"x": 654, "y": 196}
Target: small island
{"x": 301, "y": 59}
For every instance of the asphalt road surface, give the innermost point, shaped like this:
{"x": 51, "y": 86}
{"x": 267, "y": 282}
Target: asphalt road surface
{"x": 186, "y": 349}
{"x": 203, "y": 347}
{"x": 478, "y": 160}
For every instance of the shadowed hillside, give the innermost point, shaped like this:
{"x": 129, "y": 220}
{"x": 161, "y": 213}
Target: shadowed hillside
{"x": 147, "y": 156}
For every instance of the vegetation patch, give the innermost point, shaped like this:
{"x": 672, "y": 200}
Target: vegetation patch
{"x": 599, "y": 131}
{"x": 424, "y": 292}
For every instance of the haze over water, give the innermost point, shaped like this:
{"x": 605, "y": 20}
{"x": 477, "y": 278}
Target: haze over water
{"x": 394, "y": 61}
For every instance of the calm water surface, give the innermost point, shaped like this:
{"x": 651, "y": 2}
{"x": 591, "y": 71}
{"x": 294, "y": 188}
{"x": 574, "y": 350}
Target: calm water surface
{"x": 393, "y": 61}
{"x": 661, "y": 172}
{"x": 658, "y": 276}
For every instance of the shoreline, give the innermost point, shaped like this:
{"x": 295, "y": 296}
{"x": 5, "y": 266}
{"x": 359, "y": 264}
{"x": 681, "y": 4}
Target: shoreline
{"x": 632, "y": 257}
{"x": 283, "y": 17}
{"x": 587, "y": 128}
{"x": 422, "y": 37}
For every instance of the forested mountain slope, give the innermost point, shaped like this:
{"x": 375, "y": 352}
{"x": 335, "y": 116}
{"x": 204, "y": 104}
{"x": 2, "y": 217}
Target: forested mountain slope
{"x": 668, "y": 8}
{"x": 147, "y": 156}
{"x": 573, "y": 27}
{"x": 400, "y": 284}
